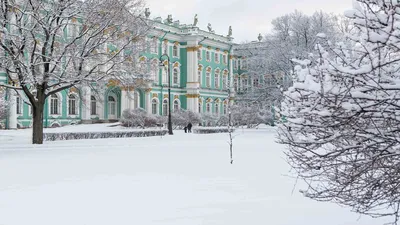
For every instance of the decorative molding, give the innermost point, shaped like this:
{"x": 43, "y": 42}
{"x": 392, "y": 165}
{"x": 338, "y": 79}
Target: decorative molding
{"x": 165, "y": 96}
{"x": 209, "y": 47}
{"x": 217, "y": 49}
{"x": 73, "y": 90}
{"x": 226, "y": 52}
{"x": 127, "y": 88}
{"x": 113, "y": 83}
{"x": 176, "y": 96}
{"x": 176, "y": 43}
{"x": 192, "y": 95}
{"x": 217, "y": 100}
{"x": 200, "y": 100}
{"x": 200, "y": 68}
{"x": 165, "y": 41}
{"x": 209, "y": 100}
{"x": 193, "y": 48}
{"x": 148, "y": 90}
{"x": 208, "y": 69}
{"x": 155, "y": 95}
{"x": 192, "y": 82}
{"x": 176, "y": 64}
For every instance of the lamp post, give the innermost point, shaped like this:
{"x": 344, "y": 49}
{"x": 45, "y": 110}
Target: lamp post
{"x": 169, "y": 93}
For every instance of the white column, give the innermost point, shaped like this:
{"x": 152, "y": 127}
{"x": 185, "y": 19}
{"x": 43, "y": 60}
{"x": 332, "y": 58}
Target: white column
{"x": 192, "y": 84}
{"x": 12, "y": 122}
{"x": 131, "y": 99}
{"x": 100, "y": 108}
{"x": 147, "y": 104}
{"x": 86, "y": 104}
{"x": 124, "y": 99}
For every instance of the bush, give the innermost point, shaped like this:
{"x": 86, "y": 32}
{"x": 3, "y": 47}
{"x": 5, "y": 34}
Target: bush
{"x": 181, "y": 118}
{"x": 211, "y": 130}
{"x": 140, "y": 118}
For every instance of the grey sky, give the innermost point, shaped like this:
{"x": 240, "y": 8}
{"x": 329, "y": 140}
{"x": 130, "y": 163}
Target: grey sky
{"x": 247, "y": 17}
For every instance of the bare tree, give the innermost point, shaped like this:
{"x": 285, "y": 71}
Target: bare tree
{"x": 50, "y": 46}
{"x": 343, "y": 129}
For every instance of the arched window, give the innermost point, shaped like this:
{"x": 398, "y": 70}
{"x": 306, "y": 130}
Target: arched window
{"x": 200, "y": 106}
{"x": 175, "y": 51}
{"x": 216, "y": 57}
{"x": 54, "y": 104}
{"x": 93, "y": 105}
{"x": 208, "y": 79}
{"x": 208, "y": 56}
{"x": 216, "y": 79}
{"x": 217, "y": 108}
{"x": 111, "y": 105}
{"x": 225, "y": 109}
{"x": 72, "y": 105}
{"x": 208, "y": 107}
{"x": 176, "y": 105}
{"x": 199, "y": 54}
{"x": 136, "y": 100}
{"x": 154, "y": 106}
{"x": 175, "y": 76}
{"x": 165, "y": 107}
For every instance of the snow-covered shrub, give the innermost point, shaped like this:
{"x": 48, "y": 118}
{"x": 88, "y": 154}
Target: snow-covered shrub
{"x": 182, "y": 117}
{"x": 250, "y": 115}
{"x": 209, "y": 119}
{"x": 140, "y": 118}
{"x": 211, "y": 130}
{"x": 98, "y": 135}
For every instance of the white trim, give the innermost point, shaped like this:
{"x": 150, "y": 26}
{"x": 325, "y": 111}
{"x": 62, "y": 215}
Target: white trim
{"x": 179, "y": 104}
{"x": 59, "y": 105}
{"x": 157, "y": 106}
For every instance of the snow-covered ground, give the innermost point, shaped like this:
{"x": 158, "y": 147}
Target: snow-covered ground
{"x": 184, "y": 179}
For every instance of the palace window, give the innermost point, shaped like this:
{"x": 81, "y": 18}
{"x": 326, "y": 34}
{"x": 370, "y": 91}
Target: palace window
{"x": 235, "y": 84}
{"x": 72, "y": 105}
{"x": 208, "y": 56}
{"x": 154, "y": 106}
{"x": 208, "y": 107}
{"x": 112, "y": 105}
{"x": 154, "y": 46}
{"x": 224, "y": 59}
{"x": 175, "y": 51}
{"x": 165, "y": 107}
{"x": 216, "y": 79}
{"x": 165, "y": 48}
{"x": 199, "y": 54}
{"x": 200, "y": 106}
{"x": 19, "y": 105}
{"x": 175, "y": 77}
{"x": 54, "y": 104}
{"x": 216, "y": 57}
{"x": 235, "y": 64}
{"x": 217, "y": 108}
{"x": 93, "y": 105}
{"x": 225, "y": 109}
{"x": 199, "y": 77}
{"x": 225, "y": 82}
{"x": 255, "y": 82}
{"x": 176, "y": 105}
{"x": 208, "y": 79}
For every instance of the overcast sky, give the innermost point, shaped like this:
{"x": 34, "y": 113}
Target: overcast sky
{"x": 247, "y": 17}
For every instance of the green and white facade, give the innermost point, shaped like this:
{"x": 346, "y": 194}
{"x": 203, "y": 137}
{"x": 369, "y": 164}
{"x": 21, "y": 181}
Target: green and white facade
{"x": 201, "y": 64}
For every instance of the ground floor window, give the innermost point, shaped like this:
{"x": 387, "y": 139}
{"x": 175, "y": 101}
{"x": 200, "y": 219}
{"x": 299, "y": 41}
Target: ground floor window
{"x": 54, "y": 104}
{"x": 72, "y": 105}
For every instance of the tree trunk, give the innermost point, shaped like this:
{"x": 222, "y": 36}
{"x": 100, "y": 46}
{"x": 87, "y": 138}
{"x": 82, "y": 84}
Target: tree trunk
{"x": 37, "y": 135}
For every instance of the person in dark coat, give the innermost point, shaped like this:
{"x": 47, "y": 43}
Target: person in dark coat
{"x": 189, "y": 126}
{"x": 185, "y": 128}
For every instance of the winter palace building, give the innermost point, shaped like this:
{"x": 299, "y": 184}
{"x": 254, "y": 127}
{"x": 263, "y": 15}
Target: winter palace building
{"x": 201, "y": 62}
